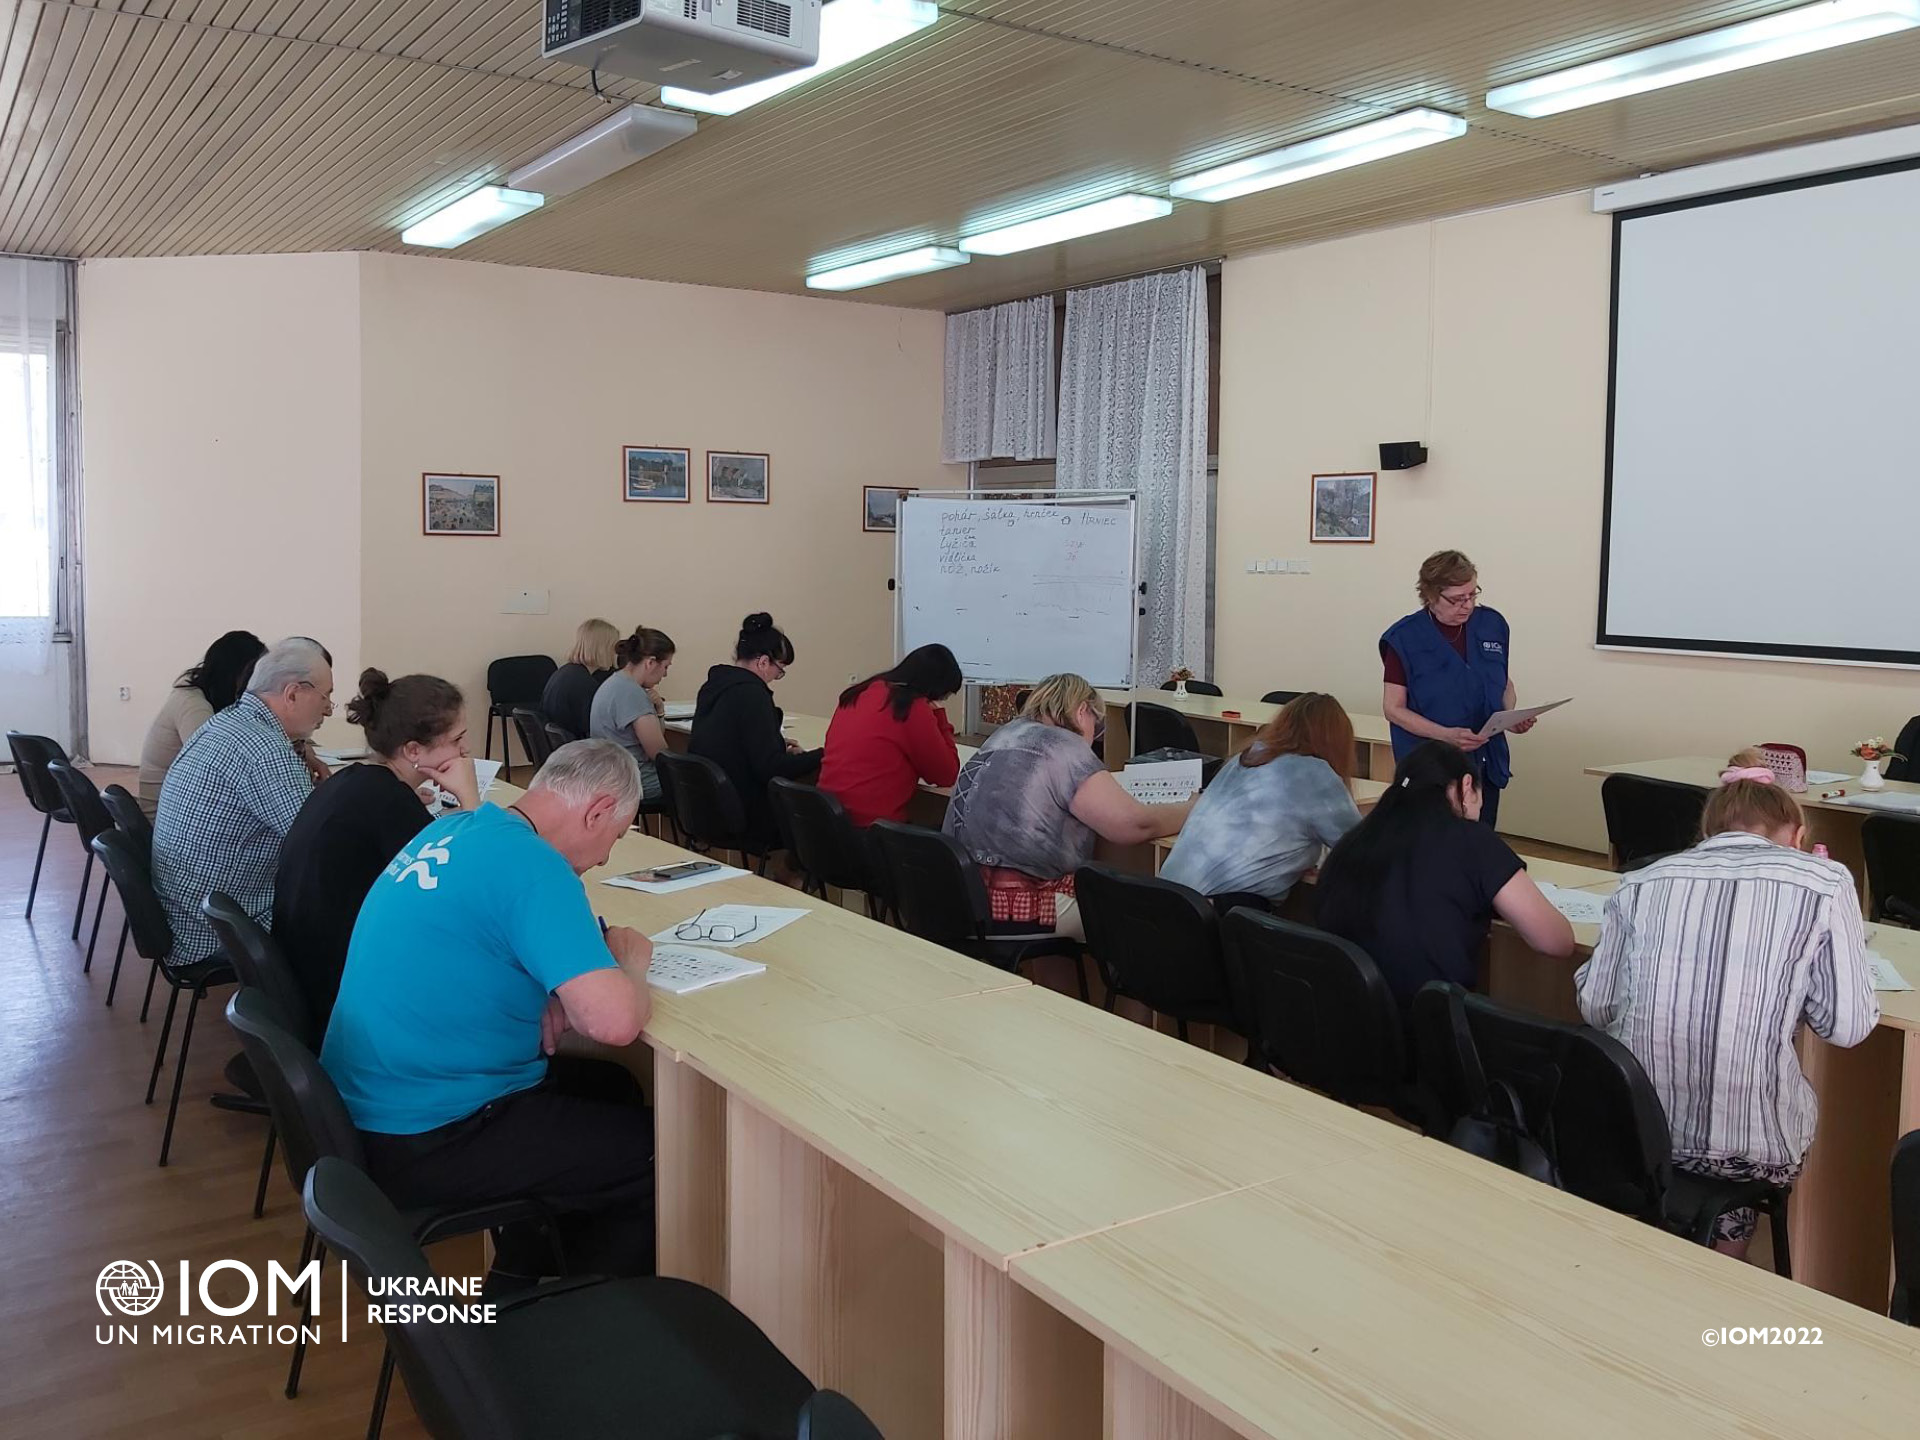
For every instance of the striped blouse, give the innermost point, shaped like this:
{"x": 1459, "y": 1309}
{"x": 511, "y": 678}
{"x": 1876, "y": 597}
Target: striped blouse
{"x": 1707, "y": 963}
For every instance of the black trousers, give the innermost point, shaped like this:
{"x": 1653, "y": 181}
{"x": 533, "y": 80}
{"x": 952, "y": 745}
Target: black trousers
{"x": 581, "y": 1141}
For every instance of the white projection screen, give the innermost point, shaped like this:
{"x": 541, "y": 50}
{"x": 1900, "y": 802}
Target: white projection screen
{"x": 1763, "y": 456}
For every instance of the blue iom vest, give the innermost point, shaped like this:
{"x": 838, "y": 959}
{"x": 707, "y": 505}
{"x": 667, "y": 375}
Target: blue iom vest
{"x": 1449, "y": 690}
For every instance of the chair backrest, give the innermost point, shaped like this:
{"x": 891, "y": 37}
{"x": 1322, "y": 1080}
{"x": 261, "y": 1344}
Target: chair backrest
{"x": 829, "y": 1415}
{"x": 1445, "y": 1062}
{"x": 557, "y": 735}
{"x": 1315, "y": 1007}
{"x": 305, "y": 1104}
{"x": 261, "y": 964}
{"x": 31, "y": 754}
{"x": 146, "y": 916}
{"x": 823, "y": 839}
{"x": 1155, "y": 941}
{"x": 1280, "y": 697}
{"x": 1907, "y": 768}
{"x": 1906, "y": 1228}
{"x": 1155, "y": 727}
{"x": 532, "y": 726}
{"x": 1195, "y": 687}
{"x": 452, "y": 1385}
{"x": 1648, "y": 818}
{"x": 1891, "y": 844}
{"x": 519, "y": 679}
{"x": 81, "y": 797}
{"x": 705, "y": 804}
{"x": 129, "y": 818}
{"x": 937, "y": 889}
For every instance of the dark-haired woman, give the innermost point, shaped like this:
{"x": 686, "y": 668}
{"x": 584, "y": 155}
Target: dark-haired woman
{"x": 1416, "y": 884}
{"x": 737, "y": 726}
{"x": 888, "y": 735}
{"x": 213, "y": 684}
{"x": 623, "y": 709}
{"x": 354, "y": 824}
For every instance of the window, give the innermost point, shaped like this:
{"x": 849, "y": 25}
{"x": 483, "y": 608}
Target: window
{"x": 28, "y": 504}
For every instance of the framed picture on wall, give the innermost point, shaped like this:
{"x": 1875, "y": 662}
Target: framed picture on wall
{"x": 1343, "y": 509}
{"x": 880, "y": 507}
{"x": 653, "y": 472}
{"x": 738, "y": 479}
{"x": 459, "y": 504}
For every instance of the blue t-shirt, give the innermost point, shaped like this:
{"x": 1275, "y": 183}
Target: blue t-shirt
{"x": 457, "y": 947}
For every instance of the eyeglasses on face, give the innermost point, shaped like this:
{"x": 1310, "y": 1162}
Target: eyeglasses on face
{"x": 1470, "y": 597}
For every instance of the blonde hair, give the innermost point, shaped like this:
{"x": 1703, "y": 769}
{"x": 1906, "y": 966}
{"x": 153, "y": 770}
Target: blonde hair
{"x": 1057, "y": 699}
{"x": 593, "y": 644}
{"x": 1751, "y": 805}
{"x": 1442, "y": 569}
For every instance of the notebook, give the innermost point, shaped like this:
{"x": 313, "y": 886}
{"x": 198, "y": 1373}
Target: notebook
{"x": 678, "y": 710}
{"x": 682, "y": 969}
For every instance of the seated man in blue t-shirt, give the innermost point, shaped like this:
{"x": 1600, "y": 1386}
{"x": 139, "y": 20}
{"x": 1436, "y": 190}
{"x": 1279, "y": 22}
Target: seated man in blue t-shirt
{"x": 473, "y": 953}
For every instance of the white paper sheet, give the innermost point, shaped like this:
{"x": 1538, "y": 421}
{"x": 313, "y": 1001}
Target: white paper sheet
{"x": 1892, "y": 800}
{"x": 1827, "y": 777}
{"x": 1162, "y": 782}
{"x": 1885, "y": 977}
{"x": 486, "y": 771}
{"x": 682, "y": 969}
{"x": 1579, "y": 906}
{"x": 678, "y": 710}
{"x": 337, "y": 758}
{"x": 752, "y": 923}
{"x": 673, "y": 887}
{"x": 1502, "y": 721}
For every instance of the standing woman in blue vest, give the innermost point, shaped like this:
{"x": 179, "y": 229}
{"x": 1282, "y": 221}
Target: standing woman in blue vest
{"x": 1446, "y": 673}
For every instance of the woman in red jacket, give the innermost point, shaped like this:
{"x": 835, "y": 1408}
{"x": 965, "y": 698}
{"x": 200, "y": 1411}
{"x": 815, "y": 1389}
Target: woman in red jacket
{"x": 889, "y": 734}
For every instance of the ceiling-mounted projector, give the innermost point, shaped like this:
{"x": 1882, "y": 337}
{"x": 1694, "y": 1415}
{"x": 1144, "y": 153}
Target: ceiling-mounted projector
{"x": 704, "y": 45}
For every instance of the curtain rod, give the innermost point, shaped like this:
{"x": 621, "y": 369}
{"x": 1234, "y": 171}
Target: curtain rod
{"x": 1211, "y": 265}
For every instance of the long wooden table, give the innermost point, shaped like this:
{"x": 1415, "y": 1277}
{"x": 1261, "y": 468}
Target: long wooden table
{"x": 882, "y": 1151}
{"x": 1220, "y": 735}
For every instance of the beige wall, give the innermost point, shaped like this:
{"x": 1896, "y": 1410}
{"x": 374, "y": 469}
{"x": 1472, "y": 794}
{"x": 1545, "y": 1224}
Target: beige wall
{"x": 221, "y": 453}
{"x": 1326, "y": 354}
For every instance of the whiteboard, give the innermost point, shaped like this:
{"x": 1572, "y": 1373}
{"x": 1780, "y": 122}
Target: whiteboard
{"x": 1020, "y": 589}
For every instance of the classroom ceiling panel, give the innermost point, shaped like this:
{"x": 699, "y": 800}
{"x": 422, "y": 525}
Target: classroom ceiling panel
{"x": 168, "y": 127}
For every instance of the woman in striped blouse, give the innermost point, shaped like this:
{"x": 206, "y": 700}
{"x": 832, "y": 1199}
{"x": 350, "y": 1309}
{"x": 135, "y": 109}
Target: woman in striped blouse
{"x": 1709, "y": 960}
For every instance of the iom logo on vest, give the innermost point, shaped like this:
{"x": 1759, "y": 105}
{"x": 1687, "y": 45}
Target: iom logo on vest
{"x": 129, "y": 1288}
{"x": 1493, "y": 647}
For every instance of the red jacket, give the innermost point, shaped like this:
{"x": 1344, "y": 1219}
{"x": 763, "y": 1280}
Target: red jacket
{"x": 874, "y": 762}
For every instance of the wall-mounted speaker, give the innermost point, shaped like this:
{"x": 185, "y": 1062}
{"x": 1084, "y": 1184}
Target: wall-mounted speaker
{"x": 1402, "y": 455}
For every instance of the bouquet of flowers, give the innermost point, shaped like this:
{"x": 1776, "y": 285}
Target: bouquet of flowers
{"x": 1181, "y": 676}
{"x": 1875, "y": 749}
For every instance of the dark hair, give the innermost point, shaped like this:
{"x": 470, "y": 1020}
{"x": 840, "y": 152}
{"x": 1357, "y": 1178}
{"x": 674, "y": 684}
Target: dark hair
{"x": 759, "y": 638}
{"x": 1416, "y": 807}
{"x": 223, "y": 672}
{"x": 643, "y": 644}
{"x": 416, "y": 708}
{"x": 929, "y": 673}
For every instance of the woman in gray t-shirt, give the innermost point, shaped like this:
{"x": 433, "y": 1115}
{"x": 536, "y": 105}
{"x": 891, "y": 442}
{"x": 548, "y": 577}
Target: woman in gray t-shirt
{"x": 623, "y": 709}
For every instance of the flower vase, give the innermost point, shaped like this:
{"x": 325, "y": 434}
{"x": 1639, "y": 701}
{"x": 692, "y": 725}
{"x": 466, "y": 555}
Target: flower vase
{"x": 1179, "y": 689}
{"x": 1871, "y": 778}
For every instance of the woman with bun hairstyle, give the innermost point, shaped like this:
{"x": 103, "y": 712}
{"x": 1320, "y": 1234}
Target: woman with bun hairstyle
{"x": 1709, "y": 962}
{"x": 737, "y": 726}
{"x": 624, "y": 709}
{"x": 353, "y": 825}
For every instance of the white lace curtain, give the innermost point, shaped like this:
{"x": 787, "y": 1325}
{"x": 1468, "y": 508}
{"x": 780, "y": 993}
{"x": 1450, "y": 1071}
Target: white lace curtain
{"x": 999, "y": 383}
{"x": 1133, "y": 415}
{"x": 32, "y": 301}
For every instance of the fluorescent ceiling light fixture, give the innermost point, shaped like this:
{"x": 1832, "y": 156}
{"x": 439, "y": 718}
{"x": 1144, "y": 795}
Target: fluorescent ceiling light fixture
{"x": 888, "y": 267}
{"x": 1068, "y": 224}
{"x": 616, "y": 142}
{"x": 487, "y": 208}
{"x": 1734, "y": 47}
{"x": 849, "y": 29}
{"x": 1376, "y": 140}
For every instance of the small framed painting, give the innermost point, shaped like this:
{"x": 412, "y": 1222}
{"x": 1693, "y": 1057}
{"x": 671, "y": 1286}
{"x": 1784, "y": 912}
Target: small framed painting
{"x": 880, "y": 507}
{"x": 1343, "y": 509}
{"x": 736, "y": 478}
{"x": 460, "y": 504}
{"x": 652, "y": 472}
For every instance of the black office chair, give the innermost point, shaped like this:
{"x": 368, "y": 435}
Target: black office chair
{"x": 1445, "y": 1065}
{"x": 938, "y": 894}
{"x": 706, "y": 807}
{"x": 1155, "y": 727}
{"x": 153, "y": 941}
{"x": 511, "y": 682}
{"x": 130, "y": 820}
{"x": 826, "y": 845}
{"x": 81, "y": 799}
{"x": 829, "y": 1415}
{"x": 30, "y": 756}
{"x": 1906, "y": 1229}
{"x": 1892, "y": 847}
{"x": 1908, "y": 746}
{"x": 557, "y": 735}
{"x": 1280, "y": 697}
{"x": 1155, "y": 942}
{"x": 1648, "y": 819}
{"x": 1316, "y": 1008}
{"x": 584, "y": 1357}
{"x": 309, "y": 1114}
{"x": 1195, "y": 687}
{"x": 532, "y": 728}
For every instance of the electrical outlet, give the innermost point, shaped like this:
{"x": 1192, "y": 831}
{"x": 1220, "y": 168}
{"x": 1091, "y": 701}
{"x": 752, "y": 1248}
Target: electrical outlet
{"x": 126, "y": 692}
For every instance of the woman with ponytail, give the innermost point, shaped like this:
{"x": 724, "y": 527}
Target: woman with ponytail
{"x": 1416, "y": 884}
{"x": 737, "y": 726}
{"x": 625, "y": 708}
{"x": 1708, "y": 963}
{"x": 355, "y": 823}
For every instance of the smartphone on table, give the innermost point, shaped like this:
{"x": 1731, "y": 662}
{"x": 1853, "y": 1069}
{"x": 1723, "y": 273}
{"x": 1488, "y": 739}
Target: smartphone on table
{"x": 662, "y": 874}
